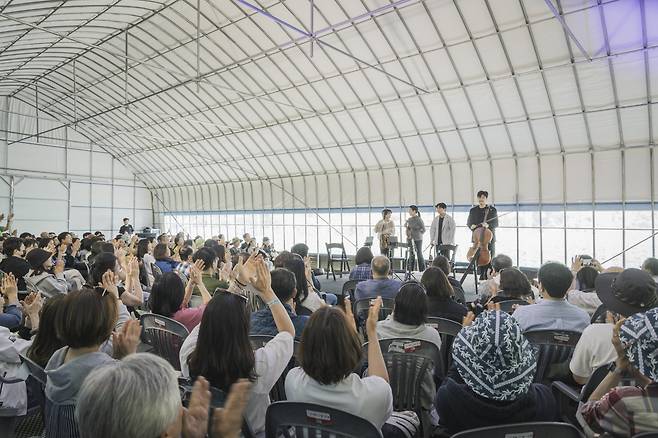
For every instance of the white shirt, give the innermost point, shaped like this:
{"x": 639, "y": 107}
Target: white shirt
{"x": 593, "y": 350}
{"x": 313, "y": 301}
{"x": 588, "y": 301}
{"x": 369, "y": 397}
{"x": 271, "y": 361}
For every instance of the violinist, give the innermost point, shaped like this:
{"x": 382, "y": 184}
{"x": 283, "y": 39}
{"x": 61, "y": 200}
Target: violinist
{"x": 476, "y": 218}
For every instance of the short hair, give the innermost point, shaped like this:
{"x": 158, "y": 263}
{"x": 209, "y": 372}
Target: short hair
{"x": 161, "y": 237}
{"x": 207, "y": 255}
{"x": 284, "y": 284}
{"x": 29, "y": 242}
{"x": 442, "y": 263}
{"x": 87, "y": 234}
{"x": 436, "y": 284}
{"x": 10, "y": 245}
{"x": 86, "y": 317}
{"x": 411, "y": 304}
{"x": 25, "y": 235}
{"x": 281, "y": 259}
{"x": 501, "y": 261}
{"x": 413, "y": 208}
{"x": 380, "y": 265}
{"x": 441, "y": 205}
{"x": 141, "y": 390}
{"x": 363, "y": 255}
{"x": 330, "y": 349}
{"x": 586, "y": 277}
{"x": 61, "y": 236}
{"x": 106, "y": 247}
{"x": 185, "y": 252}
{"x": 514, "y": 283}
{"x": 43, "y": 242}
{"x": 167, "y": 294}
{"x": 555, "y": 278}
{"x": 126, "y": 218}
{"x": 483, "y": 193}
{"x": 651, "y": 266}
{"x": 386, "y": 211}
{"x": 301, "y": 249}
{"x": 103, "y": 262}
{"x": 161, "y": 251}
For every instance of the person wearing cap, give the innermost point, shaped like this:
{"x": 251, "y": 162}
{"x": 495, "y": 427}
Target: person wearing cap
{"x": 47, "y": 278}
{"x": 622, "y": 294}
{"x": 554, "y": 312}
{"x": 624, "y": 411}
{"x": 651, "y": 266}
{"x": 491, "y": 381}
{"x": 268, "y": 247}
{"x": 235, "y": 246}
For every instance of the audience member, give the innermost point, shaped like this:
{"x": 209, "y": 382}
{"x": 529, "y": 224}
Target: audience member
{"x": 651, "y": 266}
{"x": 361, "y": 271}
{"x": 624, "y": 411}
{"x": 44, "y": 339}
{"x": 622, "y": 294}
{"x": 440, "y": 299}
{"x": 491, "y": 379}
{"x": 11, "y": 315}
{"x": 301, "y": 249}
{"x": 584, "y": 296}
{"x": 553, "y": 312}
{"x": 443, "y": 264}
{"x": 284, "y": 286}
{"x": 209, "y": 270}
{"x": 490, "y": 286}
{"x": 161, "y": 253}
{"x": 131, "y": 295}
{"x": 381, "y": 284}
{"x": 45, "y": 277}
{"x": 14, "y": 262}
{"x": 514, "y": 285}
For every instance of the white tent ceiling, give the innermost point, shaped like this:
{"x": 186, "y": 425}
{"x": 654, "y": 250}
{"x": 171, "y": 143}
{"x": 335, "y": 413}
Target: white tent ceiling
{"x": 231, "y": 90}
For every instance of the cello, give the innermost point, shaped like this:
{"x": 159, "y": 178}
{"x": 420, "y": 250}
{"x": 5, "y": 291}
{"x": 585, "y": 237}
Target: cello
{"x": 481, "y": 239}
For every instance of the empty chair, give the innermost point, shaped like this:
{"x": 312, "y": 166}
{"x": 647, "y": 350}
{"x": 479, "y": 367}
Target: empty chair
{"x": 554, "y": 348}
{"x": 530, "y": 430}
{"x": 309, "y": 420}
{"x": 165, "y": 335}
{"x": 334, "y": 256}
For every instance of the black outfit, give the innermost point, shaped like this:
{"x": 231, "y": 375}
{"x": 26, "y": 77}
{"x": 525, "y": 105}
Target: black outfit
{"x": 17, "y": 266}
{"x": 448, "y": 309}
{"x": 126, "y": 229}
{"x": 476, "y": 217}
{"x": 458, "y": 290}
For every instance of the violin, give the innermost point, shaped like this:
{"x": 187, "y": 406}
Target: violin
{"x": 481, "y": 239}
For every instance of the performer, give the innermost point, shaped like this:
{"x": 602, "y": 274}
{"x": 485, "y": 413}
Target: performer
{"x": 415, "y": 230}
{"x": 126, "y": 228}
{"x": 385, "y": 228}
{"x": 442, "y": 231}
{"x": 476, "y": 219}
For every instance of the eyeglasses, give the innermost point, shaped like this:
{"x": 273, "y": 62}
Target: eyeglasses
{"x": 225, "y": 292}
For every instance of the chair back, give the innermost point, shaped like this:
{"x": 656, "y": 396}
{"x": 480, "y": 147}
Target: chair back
{"x": 553, "y": 347}
{"x": 290, "y": 419}
{"x": 448, "y": 329}
{"x": 349, "y": 287}
{"x": 360, "y": 310}
{"x": 409, "y": 362}
{"x": 165, "y": 335}
{"x": 646, "y": 435}
{"x": 333, "y": 246}
{"x": 523, "y": 430}
{"x": 594, "y": 380}
{"x": 509, "y": 306}
{"x": 278, "y": 392}
{"x": 60, "y": 421}
{"x": 35, "y": 370}
{"x": 156, "y": 271}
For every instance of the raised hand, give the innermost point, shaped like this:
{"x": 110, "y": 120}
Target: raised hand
{"x": 262, "y": 281}
{"x": 373, "y": 316}
{"x": 244, "y": 272}
{"x": 347, "y": 304}
{"x": 133, "y": 268}
{"x": 227, "y": 421}
{"x": 126, "y": 340}
{"x": 9, "y": 288}
{"x": 32, "y": 304}
{"x": 51, "y": 247}
{"x": 195, "y": 419}
{"x": 468, "y": 319}
{"x": 109, "y": 283}
{"x": 196, "y": 272}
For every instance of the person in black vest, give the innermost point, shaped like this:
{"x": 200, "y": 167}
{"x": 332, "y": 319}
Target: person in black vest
{"x": 126, "y": 227}
{"x": 476, "y": 219}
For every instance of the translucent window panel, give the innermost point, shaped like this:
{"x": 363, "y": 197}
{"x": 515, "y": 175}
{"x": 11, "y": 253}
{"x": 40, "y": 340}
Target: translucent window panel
{"x": 257, "y": 218}
{"x": 463, "y": 240}
{"x": 529, "y": 219}
{"x": 349, "y": 218}
{"x": 528, "y": 247}
{"x": 230, "y": 232}
{"x": 580, "y": 218}
{"x": 506, "y": 216}
{"x": 267, "y": 218}
{"x": 638, "y": 217}
{"x": 277, "y": 219}
{"x": 289, "y": 235}
{"x": 636, "y": 256}
{"x": 579, "y": 241}
{"x": 312, "y": 239}
{"x": 277, "y": 236}
{"x": 553, "y": 245}
{"x": 249, "y": 223}
{"x": 505, "y": 242}
{"x": 363, "y": 218}
{"x": 269, "y": 232}
{"x": 608, "y": 244}
{"x": 288, "y": 218}
{"x": 552, "y": 217}
{"x": 350, "y": 241}
{"x": 608, "y": 216}
{"x": 323, "y": 237}
{"x": 460, "y": 218}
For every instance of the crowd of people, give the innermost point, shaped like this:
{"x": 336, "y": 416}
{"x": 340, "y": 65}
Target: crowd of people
{"x": 72, "y": 305}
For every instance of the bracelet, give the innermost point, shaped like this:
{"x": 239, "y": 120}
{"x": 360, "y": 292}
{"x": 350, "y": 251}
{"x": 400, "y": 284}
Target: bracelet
{"x": 273, "y": 302}
{"x": 240, "y": 284}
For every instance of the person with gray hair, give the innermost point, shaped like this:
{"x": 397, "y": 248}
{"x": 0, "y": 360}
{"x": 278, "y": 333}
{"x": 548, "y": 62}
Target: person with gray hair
{"x": 380, "y": 284}
{"x": 139, "y": 397}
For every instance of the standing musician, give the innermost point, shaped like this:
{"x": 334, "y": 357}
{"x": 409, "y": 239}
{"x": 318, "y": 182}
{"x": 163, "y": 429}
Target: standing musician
{"x": 385, "y": 228}
{"x": 442, "y": 231}
{"x": 476, "y": 219}
{"x": 415, "y": 230}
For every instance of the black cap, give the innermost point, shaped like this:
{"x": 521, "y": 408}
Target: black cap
{"x": 37, "y": 257}
{"x": 628, "y": 292}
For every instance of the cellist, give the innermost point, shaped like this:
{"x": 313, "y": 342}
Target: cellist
{"x": 476, "y": 219}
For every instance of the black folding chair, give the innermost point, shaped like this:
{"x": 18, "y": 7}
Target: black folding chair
{"x": 509, "y": 306}
{"x": 348, "y": 290}
{"x": 278, "y": 392}
{"x": 646, "y": 435}
{"x": 156, "y": 271}
{"x": 360, "y": 310}
{"x": 448, "y": 329}
{"x": 337, "y": 257}
{"x": 554, "y": 350}
{"x": 165, "y": 335}
{"x": 523, "y": 430}
{"x": 568, "y": 398}
{"x": 291, "y": 419}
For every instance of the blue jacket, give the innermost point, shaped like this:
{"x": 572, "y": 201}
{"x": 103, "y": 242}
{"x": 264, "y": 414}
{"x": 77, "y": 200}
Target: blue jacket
{"x": 12, "y": 317}
{"x": 386, "y": 288}
{"x": 262, "y": 322}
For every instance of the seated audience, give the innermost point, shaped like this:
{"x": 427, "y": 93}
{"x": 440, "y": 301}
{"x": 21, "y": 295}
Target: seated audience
{"x": 219, "y": 348}
{"x": 381, "y": 284}
{"x": 651, "y": 266}
{"x": 170, "y": 297}
{"x": 492, "y": 284}
{"x": 308, "y": 299}
{"x": 11, "y": 313}
{"x": 627, "y": 293}
{"x": 45, "y": 277}
{"x": 209, "y": 270}
{"x": 443, "y": 264}
{"x": 624, "y": 411}
{"x": 85, "y": 320}
{"x": 44, "y": 339}
{"x": 14, "y": 262}
{"x": 362, "y": 261}
{"x": 491, "y": 379}
{"x": 553, "y": 312}
{"x": 513, "y": 285}
{"x": 146, "y": 387}
{"x": 284, "y": 286}
{"x": 146, "y": 259}
{"x": 131, "y": 295}
{"x": 440, "y": 299}
{"x": 161, "y": 253}
{"x": 584, "y": 296}
{"x": 301, "y": 249}
{"x": 329, "y": 353}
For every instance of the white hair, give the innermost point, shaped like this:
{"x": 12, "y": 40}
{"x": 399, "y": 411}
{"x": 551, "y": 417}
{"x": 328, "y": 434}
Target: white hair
{"x": 136, "y": 397}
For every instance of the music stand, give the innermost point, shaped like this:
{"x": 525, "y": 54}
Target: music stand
{"x": 392, "y": 245}
{"x": 368, "y": 241}
{"x": 472, "y": 266}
